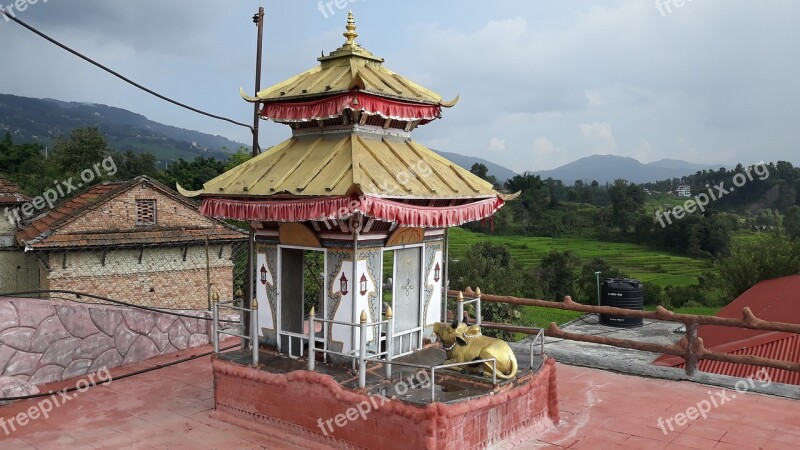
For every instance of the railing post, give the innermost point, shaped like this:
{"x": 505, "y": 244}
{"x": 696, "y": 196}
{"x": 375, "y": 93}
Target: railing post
{"x": 494, "y": 371}
{"x": 311, "y": 337}
{"x": 215, "y": 322}
{"x": 389, "y": 341}
{"x": 433, "y": 384}
{"x": 362, "y": 351}
{"x": 460, "y": 307}
{"x": 478, "y": 306}
{"x": 691, "y": 357}
{"x": 254, "y": 326}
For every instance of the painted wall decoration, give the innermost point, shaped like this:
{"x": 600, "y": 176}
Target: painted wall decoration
{"x": 433, "y": 283}
{"x": 343, "y": 289}
{"x": 266, "y": 289}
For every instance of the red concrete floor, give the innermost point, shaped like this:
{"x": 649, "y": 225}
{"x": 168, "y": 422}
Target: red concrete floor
{"x": 168, "y": 409}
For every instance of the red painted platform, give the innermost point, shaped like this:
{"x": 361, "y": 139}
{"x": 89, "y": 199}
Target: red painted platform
{"x": 301, "y": 401}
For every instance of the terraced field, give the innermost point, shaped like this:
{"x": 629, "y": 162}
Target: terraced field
{"x": 638, "y": 261}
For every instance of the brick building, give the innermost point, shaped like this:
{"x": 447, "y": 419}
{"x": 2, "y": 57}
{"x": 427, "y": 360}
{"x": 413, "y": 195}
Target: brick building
{"x": 135, "y": 241}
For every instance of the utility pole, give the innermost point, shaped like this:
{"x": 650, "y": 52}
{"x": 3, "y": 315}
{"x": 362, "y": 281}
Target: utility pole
{"x": 250, "y": 280}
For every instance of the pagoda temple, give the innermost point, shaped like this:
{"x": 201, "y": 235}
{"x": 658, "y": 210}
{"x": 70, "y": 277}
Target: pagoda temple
{"x": 350, "y": 218}
{"x": 350, "y": 183}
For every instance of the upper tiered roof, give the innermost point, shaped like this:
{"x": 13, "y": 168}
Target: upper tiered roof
{"x": 345, "y": 69}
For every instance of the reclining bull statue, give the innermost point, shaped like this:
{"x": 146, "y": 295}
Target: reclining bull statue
{"x": 463, "y": 343}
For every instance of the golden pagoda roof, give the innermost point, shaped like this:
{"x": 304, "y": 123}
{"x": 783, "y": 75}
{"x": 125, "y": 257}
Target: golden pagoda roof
{"x": 348, "y": 163}
{"x": 345, "y": 69}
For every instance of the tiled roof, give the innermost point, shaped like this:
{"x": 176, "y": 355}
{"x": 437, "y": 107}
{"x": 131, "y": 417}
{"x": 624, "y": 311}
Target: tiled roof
{"x": 10, "y": 194}
{"x": 347, "y": 163}
{"x": 40, "y": 232}
{"x": 773, "y": 300}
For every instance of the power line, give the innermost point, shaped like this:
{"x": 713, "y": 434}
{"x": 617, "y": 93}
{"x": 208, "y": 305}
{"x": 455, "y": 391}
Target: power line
{"x": 120, "y": 76}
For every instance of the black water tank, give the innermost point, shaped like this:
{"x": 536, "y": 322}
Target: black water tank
{"x": 622, "y": 293}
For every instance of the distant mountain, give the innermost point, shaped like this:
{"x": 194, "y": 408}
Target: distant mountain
{"x": 42, "y": 120}
{"x": 607, "y": 168}
{"x": 501, "y": 173}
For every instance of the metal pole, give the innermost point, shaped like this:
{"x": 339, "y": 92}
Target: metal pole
{"x": 460, "y": 307}
{"x": 478, "y": 306}
{"x": 250, "y": 281}
{"x": 311, "y": 335}
{"x": 445, "y": 280}
{"x": 254, "y": 315}
{"x": 597, "y": 275}
{"x": 433, "y": 384}
{"x": 362, "y": 351}
{"x": 354, "y": 227}
{"x": 215, "y": 324}
{"x": 389, "y": 341}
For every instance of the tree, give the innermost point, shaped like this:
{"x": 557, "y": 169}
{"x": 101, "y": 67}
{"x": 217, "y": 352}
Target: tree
{"x": 84, "y": 148}
{"x": 491, "y": 267}
{"x": 557, "y": 274}
{"x": 766, "y": 257}
{"x": 586, "y": 283}
{"x": 131, "y": 165}
{"x": 483, "y": 172}
{"x": 791, "y": 222}
{"x": 627, "y": 202}
{"x": 242, "y": 155}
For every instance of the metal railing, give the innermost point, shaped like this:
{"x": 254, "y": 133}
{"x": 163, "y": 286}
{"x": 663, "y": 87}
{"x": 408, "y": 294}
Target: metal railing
{"x": 461, "y": 302}
{"x": 361, "y": 355}
{"x": 692, "y": 350}
{"x": 217, "y": 331}
{"x": 433, "y": 370}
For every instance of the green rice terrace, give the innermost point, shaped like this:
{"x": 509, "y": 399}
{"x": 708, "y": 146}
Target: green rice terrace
{"x": 637, "y": 261}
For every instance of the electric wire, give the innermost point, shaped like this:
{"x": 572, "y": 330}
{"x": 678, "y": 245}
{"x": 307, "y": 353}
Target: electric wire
{"x": 120, "y": 76}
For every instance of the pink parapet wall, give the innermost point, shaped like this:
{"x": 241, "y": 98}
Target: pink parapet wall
{"x": 275, "y": 403}
{"x": 43, "y": 341}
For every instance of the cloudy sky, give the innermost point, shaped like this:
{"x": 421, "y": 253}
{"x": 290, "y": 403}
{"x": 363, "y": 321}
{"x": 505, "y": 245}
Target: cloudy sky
{"x": 542, "y": 83}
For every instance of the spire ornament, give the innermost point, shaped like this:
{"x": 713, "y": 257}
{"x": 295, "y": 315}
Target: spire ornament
{"x": 350, "y": 34}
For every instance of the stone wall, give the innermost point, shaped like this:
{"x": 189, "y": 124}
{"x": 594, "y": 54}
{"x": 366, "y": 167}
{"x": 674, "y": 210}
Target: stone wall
{"x": 43, "y": 341}
{"x": 19, "y": 272}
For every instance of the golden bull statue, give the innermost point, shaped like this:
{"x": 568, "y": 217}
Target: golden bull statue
{"x": 463, "y": 344}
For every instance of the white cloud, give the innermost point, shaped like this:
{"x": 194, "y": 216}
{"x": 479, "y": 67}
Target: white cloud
{"x": 600, "y": 135}
{"x": 497, "y": 145}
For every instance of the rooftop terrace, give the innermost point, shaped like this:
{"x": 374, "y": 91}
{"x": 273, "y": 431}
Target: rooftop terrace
{"x": 169, "y": 408}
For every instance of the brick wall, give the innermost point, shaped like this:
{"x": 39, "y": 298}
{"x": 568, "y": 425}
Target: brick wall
{"x": 162, "y": 280}
{"x": 120, "y": 213}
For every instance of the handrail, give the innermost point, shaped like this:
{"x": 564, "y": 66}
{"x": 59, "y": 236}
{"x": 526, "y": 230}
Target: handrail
{"x": 433, "y": 370}
{"x": 217, "y": 331}
{"x": 692, "y": 350}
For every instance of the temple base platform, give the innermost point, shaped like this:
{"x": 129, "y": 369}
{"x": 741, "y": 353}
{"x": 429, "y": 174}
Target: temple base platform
{"x": 326, "y": 406}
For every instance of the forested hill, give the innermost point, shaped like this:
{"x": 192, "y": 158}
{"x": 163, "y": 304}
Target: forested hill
{"x": 43, "y": 120}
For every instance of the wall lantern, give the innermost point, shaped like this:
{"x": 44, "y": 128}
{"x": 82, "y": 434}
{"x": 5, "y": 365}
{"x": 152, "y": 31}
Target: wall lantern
{"x": 263, "y": 275}
{"x": 363, "y": 284}
{"x": 343, "y": 287}
{"x": 436, "y": 272}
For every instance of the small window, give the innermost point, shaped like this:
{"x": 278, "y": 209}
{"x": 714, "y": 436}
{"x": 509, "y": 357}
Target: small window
{"x": 145, "y": 212}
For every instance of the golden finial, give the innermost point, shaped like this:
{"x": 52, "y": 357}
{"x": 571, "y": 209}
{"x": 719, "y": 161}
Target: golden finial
{"x": 478, "y": 291}
{"x": 389, "y": 313}
{"x": 312, "y": 313}
{"x": 254, "y": 305}
{"x": 350, "y": 34}
{"x": 364, "y": 316}
{"x": 215, "y": 297}
{"x": 460, "y": 297}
